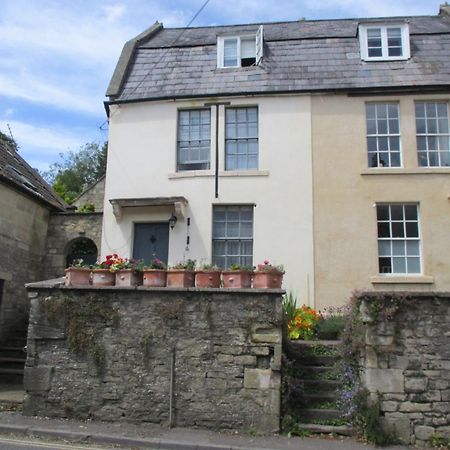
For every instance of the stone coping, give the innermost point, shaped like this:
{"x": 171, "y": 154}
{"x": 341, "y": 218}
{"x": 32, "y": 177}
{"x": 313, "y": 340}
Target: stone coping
{"x": 58, "y": 283}
{"x": 444, "y": 295}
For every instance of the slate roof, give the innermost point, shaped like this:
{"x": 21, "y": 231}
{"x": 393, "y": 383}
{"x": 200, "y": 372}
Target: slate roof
{"x": 302, "y": 56}
{"x": 16, "y": 172}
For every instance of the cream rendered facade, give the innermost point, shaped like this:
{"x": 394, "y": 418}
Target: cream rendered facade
{"x": 346, "y": 192}
{"x": 142, "y": 164}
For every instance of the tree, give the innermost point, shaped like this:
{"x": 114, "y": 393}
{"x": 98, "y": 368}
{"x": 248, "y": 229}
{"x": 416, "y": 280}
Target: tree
{"x": 77, "y": 170}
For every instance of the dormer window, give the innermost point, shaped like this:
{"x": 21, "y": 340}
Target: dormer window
{"x": 240, "y": 51}
{"x": 384, "y": 42}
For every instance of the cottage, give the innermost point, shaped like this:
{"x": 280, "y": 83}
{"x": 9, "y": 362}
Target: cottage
{"x": 322, "y": 145}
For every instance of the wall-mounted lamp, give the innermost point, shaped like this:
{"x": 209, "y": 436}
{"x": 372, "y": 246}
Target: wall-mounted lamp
{"x": 172, "y": 221}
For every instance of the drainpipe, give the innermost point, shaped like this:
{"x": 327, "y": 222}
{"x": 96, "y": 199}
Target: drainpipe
{"x": 217, "y": 104}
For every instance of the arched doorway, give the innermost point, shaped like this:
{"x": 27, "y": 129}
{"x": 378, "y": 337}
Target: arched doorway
{"x": 81, "y": 248}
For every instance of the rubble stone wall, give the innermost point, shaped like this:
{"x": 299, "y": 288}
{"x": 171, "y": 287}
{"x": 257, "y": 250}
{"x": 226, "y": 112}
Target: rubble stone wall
{"x": 208, "y": 358}
{"x": 407, "y": 361}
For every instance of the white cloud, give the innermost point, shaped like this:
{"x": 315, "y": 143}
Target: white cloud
{"x": 113, "y": 12}
{"x": 46, "y": 140}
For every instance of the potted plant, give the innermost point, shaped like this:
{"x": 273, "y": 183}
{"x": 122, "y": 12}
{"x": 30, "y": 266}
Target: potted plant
{"x": 237, "y": 276}
{"x": 77, "y": 274}
{"x": 182, "y": 274}
{"x": 102, "y": 272}
{"x": 268, "y": 276}
{"x": 127, "y": 271}
{"x": 155, "y": 274}
{"x": 208, "y": 276}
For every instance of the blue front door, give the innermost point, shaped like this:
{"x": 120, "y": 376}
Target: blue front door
{"x": 151, "y": 240}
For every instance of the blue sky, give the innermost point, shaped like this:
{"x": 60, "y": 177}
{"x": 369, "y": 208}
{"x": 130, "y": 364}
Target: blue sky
{"x": 57, "y": 56}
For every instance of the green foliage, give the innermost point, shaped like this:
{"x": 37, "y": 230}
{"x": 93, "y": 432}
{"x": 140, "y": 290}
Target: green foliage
{"x": 368, "y": 421}
{"x": 8, "y": 141}
{"x": 437, "y": 441}
{"x": 86, "y": 208}
{"x": 185, "y": 265}
{"x": 330, "y": 327}
{"x": 77, "y": 170}
{"x": 303, "y": 323}
{"x": 289, "y": 307}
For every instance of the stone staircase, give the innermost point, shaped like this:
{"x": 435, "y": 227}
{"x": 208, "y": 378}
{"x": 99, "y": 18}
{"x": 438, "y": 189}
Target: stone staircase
{"x": 313, "y": 365}
{"x": 12, "y": 360}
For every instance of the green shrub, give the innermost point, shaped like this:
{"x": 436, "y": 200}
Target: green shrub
{"x": 330, "y": 327}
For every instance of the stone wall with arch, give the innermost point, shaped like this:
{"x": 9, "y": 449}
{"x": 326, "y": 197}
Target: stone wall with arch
{"x": 65, "y": 230}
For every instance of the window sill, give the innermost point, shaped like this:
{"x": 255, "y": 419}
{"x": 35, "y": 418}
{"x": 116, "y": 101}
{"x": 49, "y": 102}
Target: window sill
{"x": 191, "y": 174}
{"x": 210, "y": 173}
{"x": 244, "y": 173}
{"x": 400, "y": 171}
{"x": 402, "y": 279}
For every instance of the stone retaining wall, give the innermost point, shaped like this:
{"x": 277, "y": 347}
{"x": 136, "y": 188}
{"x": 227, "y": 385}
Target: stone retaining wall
{"x": 117, "y": 354}
{"x": 407, "y": 361}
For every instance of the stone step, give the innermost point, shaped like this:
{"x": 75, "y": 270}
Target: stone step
{"x": 318, "y": 361}
{"x": 319, "y": 386}
{"x": 312, "y": 414}
{"x": 344, "y": 430}
{"x": 316, "y": 372}
{"x": 319, "y": 397}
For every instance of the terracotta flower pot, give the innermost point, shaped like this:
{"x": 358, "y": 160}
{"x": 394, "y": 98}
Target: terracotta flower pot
{"x": 207, "y": 278}
{"x": 103, "y": 277}
{"x": 128, "y": 277}
{"x": 180, "y": 278}
{"x": 267, "y": 280}
{"x": 154, "y": 277}
{"x": 77, "y": 276}
{"x": 237, "y": 279}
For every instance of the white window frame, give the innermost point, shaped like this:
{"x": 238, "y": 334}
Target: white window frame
{"x": 242, "y": 139}
{"x": 424, "y": 154}
{"x": 193, "y": 163}
{"x": 405, "y": 239}
{"x": 362, "y": 32}
{"x": 259, "y": 46}
{"x": 388, "y": 135}
{"x": 228, "y": 239}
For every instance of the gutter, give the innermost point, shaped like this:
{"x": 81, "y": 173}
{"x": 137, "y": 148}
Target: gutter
{"x": 379, "y": 90}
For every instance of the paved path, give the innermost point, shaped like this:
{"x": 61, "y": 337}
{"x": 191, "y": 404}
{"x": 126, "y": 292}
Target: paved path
{"x": 153, "y": 436}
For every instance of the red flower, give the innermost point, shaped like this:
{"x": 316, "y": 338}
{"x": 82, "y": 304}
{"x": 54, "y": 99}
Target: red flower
{"x": 266, "y": 261}
{"x": 108, "y": 257}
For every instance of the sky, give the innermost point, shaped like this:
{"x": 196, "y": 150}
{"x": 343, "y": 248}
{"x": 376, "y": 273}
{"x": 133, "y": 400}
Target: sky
{"x": 57, "y": 56}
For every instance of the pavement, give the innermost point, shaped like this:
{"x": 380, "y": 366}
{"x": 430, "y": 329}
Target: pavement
{"x": 152, "y": 436}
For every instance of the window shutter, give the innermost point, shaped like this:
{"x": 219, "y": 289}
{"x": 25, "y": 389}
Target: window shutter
{"x": 259, "y": 44}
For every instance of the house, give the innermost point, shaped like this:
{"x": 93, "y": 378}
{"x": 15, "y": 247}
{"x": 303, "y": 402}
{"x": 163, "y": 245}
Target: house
{"x": 322, "y": 145}
{"x": 26, "y": 204}
{"x": 40, "y": 235}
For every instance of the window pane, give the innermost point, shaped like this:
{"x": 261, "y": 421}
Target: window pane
{"x": 384, "y": 248}
{"x": 385, "y": 265}
{"x": 398, "y": 230}
{"x": 248, "y": 48}
{"x": 412, "y": 229}
{"x": 232, "y": 235}
{"x": 384, "y": 229}
{"x": 414, "y": 265}
{"x": 398, "y": 265}
{"x": 398, "y": 248}
{"x": 193, "y": 146}
{"x": 432, "y": 126}
{"x": 397, "y": 212}
{"x": 245, "y": 135}
{"x": 410, "y": 212}
{"x": 412, "y": 248}
{"x": 230, "y": 53}
{"x": 382, "y": 212}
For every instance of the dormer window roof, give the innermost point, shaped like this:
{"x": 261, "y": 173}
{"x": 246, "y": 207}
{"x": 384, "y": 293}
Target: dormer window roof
{"x": 240, "y": 50}
{"x": 384, "y": 41}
